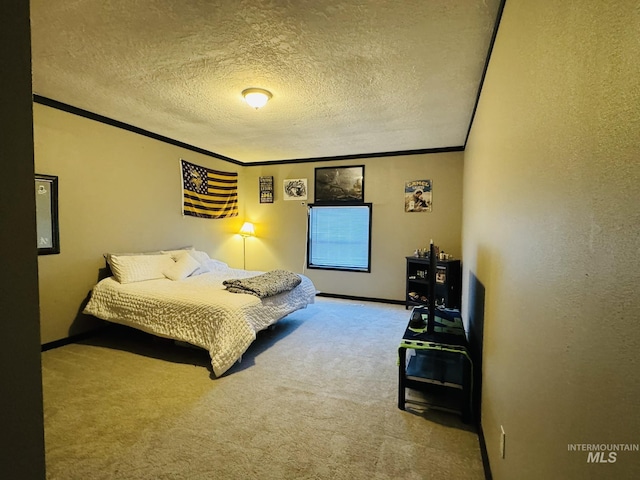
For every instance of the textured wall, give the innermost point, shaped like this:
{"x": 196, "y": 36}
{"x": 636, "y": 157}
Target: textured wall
{"x": 108, "y": 203}
{"x": 118, "y": 191}
{"x": 395, "y": 234}
{"x": 551, "y": 231}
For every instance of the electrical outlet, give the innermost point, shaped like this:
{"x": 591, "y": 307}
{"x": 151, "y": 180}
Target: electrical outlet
{"x": 503, "y": 439}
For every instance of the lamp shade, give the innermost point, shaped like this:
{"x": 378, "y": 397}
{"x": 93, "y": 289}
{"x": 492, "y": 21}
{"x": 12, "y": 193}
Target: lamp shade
{"x": 247, "y": 230}
{"x": 256, "y": 97}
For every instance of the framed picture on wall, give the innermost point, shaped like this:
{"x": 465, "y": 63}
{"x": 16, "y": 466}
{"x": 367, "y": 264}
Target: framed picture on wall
{"x": 295, "y": 189}
{"x": 266, "y": 189}
{"x": 339, "y": 184}
{"x": 47, "y": 214}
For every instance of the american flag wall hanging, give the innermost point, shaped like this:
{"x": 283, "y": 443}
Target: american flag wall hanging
{"x": 208, "y": 193}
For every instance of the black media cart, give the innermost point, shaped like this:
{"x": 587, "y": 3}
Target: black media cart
{"x": 434, "y": 359}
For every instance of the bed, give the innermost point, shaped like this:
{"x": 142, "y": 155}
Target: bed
{"x": 157, "y": 296}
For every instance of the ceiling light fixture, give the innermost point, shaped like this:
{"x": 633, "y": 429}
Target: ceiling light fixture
{"x": 256, "y": 97}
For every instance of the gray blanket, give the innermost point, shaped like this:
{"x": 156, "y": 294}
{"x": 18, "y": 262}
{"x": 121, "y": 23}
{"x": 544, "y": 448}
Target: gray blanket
{"x": 264, "y": 285}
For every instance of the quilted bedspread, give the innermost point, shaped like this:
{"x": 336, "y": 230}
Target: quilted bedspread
{"x": 197, "y": 310}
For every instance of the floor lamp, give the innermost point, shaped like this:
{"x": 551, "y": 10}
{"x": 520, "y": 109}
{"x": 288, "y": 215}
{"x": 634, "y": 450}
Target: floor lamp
{"x": 247, "y": 230}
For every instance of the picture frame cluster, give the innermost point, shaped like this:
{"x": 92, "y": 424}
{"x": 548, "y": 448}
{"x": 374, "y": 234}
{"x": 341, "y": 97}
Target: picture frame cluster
{"x": 332, "y": 185}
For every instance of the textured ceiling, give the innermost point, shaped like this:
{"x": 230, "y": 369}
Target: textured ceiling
{"x": 347, "y": 77}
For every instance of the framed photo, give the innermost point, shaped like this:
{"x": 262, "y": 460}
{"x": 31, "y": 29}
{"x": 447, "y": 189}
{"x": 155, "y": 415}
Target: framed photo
{"x": 339, "y": 184}
{"x": 295, "y": 189}
{"x": 47, "y": 214}
{"x": 441, "y": 275}
{"x": 266, "y": 189}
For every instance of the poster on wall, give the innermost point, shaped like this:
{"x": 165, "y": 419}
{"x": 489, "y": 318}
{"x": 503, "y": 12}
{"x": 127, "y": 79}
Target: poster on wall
{"x": 417, "y": 196}
{"x": 295, "y": 189}
{"x": 266, "y": 189}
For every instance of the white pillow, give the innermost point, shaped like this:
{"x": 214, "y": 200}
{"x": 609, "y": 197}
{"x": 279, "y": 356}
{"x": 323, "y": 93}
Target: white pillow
{"x": 137, "y": 268}
{"x": 199, "y": 255}
{"x": 184, "y": 266}
{"x": 215, "y": 265}
{"x": 202, "y": 258}
{"x": 107, "y": 256}
{"x": 177, "y": 252}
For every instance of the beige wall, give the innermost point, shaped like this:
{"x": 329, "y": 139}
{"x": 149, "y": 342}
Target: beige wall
{"x": 21, "y": 421}
{"x": 118, "y": 191}
{"x": 551, "y": 231}
{"x": 281, "y": 226}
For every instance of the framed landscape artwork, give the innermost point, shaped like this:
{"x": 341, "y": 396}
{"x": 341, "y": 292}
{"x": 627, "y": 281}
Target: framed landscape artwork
{"x": 339, "y": 184}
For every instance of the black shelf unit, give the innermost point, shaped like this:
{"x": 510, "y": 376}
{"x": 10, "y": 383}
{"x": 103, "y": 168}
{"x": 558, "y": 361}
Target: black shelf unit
{"x": 434, "y": 359}
{"x": 447, "y": 282}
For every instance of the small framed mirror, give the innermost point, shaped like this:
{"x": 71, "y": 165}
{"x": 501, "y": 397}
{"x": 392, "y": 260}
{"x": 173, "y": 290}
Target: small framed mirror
{"x": 47, "y": 214}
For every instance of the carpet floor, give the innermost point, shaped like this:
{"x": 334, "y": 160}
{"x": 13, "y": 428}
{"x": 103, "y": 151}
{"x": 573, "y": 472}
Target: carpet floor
{"x": 315, "y": 397}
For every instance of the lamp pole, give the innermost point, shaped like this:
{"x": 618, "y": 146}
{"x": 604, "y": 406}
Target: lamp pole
{"x": 247, "y": 230}
{"x": 244, "y": 252}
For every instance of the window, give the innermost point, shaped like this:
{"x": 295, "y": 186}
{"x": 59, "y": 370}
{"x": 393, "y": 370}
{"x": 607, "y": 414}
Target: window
{"x": 340, "y": 237}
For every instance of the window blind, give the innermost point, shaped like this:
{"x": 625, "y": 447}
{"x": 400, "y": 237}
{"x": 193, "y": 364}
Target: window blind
{"x": 339, "y": 237}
